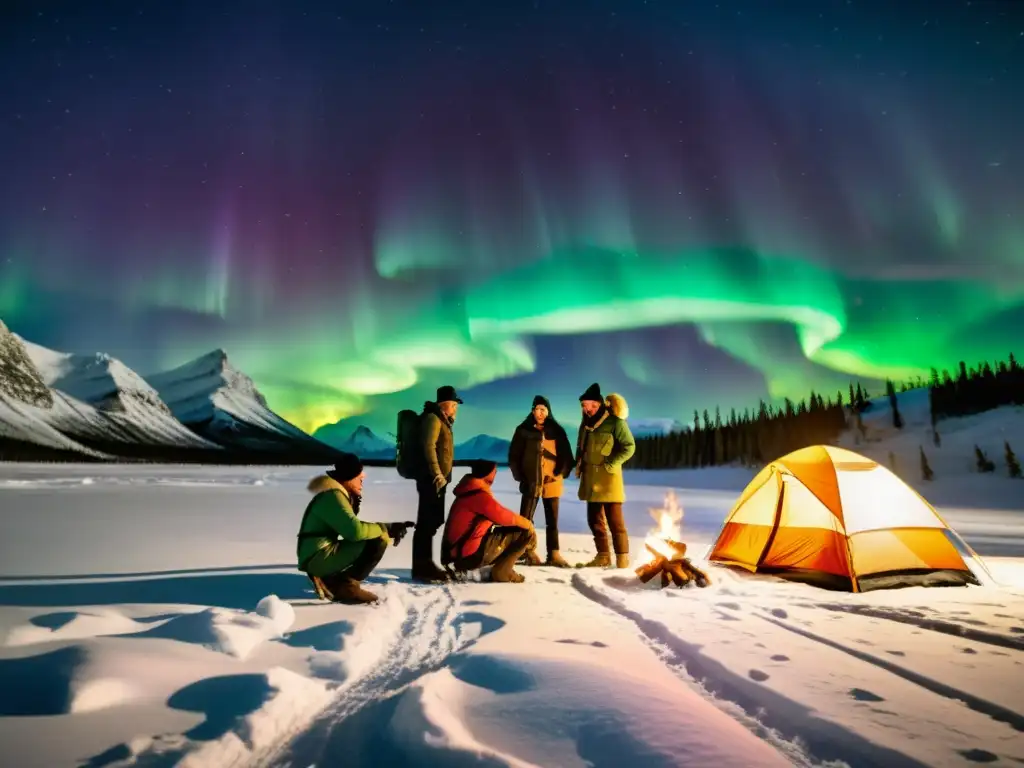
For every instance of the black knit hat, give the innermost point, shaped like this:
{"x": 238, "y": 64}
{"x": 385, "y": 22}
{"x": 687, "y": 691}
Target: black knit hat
{"x": 481, "y": 468}
{"x": 447, "y": 394}
{"x": 541, "y": 400}
{"x": 348, "y": 467}
{"x": 593, "y": 393}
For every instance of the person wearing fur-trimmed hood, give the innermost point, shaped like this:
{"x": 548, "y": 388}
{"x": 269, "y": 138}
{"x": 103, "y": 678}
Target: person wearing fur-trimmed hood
{"x": 603, "y": 444}
{"x": 335, "y": 548}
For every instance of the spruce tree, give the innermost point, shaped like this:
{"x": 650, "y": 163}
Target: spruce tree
{"x": 1011, "y": 461}
{"x": 982, "y": 461}
{"x": 890, "y": 390}
{"x": 926, "y": 471}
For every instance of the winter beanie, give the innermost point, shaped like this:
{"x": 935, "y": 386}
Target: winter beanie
{"x": 481, "y": 468}
{"x": 593, "y": 393}
{"x": 348, "y": 467}
{"x": 541, "y": 400}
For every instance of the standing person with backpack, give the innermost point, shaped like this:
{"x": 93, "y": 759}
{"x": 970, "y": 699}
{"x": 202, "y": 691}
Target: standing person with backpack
{"x": 426, "y": 452}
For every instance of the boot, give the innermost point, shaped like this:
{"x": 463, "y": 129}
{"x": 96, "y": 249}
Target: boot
{"x": 556, "y": 560}
{"x": 622, "y": 561}
{"x": 348, "y": 591}
{"x": 601, "y": 560}
{"x": 427, "y": 572}
{"x": 502, "y": 571}
{"x": 530, "y": 557}
{"x": 322, "y": 591}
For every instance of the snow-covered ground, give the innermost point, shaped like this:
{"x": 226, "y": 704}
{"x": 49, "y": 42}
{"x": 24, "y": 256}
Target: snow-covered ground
{"x": 151, "y": 615}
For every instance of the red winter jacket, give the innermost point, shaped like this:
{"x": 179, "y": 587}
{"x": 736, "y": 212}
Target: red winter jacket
{"x": 473, "y": 502}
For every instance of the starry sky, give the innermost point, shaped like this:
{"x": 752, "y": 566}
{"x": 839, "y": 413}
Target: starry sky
{"x": 692, "y": 203}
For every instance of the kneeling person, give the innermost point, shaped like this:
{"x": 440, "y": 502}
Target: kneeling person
{"x": 336, "y": 549}
{"x": 480, "y": 531}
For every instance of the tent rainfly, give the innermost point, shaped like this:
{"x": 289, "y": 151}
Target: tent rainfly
{"x": 836, "y": 519}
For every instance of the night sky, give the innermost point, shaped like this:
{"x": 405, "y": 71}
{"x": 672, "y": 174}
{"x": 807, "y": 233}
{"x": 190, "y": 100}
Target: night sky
{"x": 692, "y": 203}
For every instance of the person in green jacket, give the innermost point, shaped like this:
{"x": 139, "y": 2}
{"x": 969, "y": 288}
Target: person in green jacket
{"x": 604, "y": 443}
{"x": 336, "y": 549}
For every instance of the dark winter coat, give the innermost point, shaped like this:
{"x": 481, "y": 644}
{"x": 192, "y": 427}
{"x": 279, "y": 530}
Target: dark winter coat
{"x": 603, "y": 445}
{"x": 540, "y": 458}
{"x": 331, "y": 535}
{"x": 473, "y": 513}
{"x": 437, "y": 442}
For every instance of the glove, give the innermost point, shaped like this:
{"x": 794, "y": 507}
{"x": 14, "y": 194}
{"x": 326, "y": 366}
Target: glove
{"x": 385, "y": 536}
{"x": 610, "y": 469}
{"x": 439, "y": 483}
{"x": 397, "y": 531}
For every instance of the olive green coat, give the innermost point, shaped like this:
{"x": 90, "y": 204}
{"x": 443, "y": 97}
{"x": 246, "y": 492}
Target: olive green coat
{"x": 601, "y": 451}
{"x": 331, "y": 537}
{"x": 437, "y": 443}
{"x": 540, "y": 460}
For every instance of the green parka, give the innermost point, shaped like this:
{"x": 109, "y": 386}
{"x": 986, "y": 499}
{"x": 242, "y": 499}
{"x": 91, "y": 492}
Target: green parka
{"x": 601, "y": 450}
{"x": 329, "y": 516}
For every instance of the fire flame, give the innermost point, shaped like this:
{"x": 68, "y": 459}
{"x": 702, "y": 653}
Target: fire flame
{"x": 669, "y": 519}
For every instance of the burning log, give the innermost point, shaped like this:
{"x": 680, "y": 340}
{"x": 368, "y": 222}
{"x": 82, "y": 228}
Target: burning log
{"x": 675, "y": 569}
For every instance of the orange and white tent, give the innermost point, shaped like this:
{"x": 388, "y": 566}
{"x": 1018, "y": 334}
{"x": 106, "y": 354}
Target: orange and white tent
{"x": 835, "y": 518}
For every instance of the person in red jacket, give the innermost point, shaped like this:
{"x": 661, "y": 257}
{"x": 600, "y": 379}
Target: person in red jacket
{"x": 481, "y": 532}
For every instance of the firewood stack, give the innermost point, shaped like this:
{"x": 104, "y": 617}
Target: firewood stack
{"x": 676, "y": 569}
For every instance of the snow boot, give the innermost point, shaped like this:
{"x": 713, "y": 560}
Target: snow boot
{"x": 426, "y": 572}
{"x": 530, "y": 557}
{"x": 601, "y": 560}
{"x": 348, "y": 591}
{"x": 622, "y": 561}
{"x": 504, "y": 572}
{"x": 555, "y": 560}
{"x": 320, "y": 588}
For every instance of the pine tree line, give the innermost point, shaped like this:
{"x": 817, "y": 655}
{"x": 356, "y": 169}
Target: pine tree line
{"x": 975, "y": 390}
{"x": 756, "y": 437}
{"x": 751, "y": 438}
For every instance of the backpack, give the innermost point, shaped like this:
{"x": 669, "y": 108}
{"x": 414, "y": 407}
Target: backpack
{"x": 408, "y": 452}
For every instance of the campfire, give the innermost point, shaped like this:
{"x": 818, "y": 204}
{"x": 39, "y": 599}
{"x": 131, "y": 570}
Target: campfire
{"x": 667, "y": 553}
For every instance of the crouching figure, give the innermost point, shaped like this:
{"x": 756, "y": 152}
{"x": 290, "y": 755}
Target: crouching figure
{"x": 336, "y": 549}
{"x": 480, "y": 531}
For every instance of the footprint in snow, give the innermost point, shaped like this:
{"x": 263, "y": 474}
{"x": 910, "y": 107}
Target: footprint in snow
{"x": 978, "y": 755}
{"x": 780, "y": 657}
{"x": 730, "y": 606}
{"x": 779, "y": 613}
{"x": 571, "y": 641}
{"x": 1017, "y": 630}
{"x": 967, "y": 650}
{"x": 896, "y": 653}
{"x": 758, "y": 675}
{"x": 859, "y": 694}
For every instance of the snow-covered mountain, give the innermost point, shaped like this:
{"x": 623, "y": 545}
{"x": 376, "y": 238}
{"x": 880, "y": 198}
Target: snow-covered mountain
{"x": 222, "y": 403}
{"x": 98, "y": 398}
{"x": 483, "y": 447}
{"x": 29, "y": 408}
{"x": 365, "y": 444}
{"x": 654, "y": 427}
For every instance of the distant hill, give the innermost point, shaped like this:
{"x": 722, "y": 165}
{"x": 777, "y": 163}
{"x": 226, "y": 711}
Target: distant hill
{"x": 483, "y": 447}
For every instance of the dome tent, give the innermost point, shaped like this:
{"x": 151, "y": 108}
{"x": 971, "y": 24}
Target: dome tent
{"x": 836, "y": 519}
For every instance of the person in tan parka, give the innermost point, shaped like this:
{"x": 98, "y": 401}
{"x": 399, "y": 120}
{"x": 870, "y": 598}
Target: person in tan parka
{"x": 540, "y": 457}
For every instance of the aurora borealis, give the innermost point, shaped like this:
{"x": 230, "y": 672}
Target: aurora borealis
{"x": 693, "y": 203}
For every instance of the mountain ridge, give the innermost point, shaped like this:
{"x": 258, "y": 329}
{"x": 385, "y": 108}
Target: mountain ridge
{"x": 68, "y": 406}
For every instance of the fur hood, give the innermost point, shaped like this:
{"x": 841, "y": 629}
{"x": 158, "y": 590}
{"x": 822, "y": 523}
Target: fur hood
{"x": 322, "y": 483}
{"x": 617, "y": 405}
